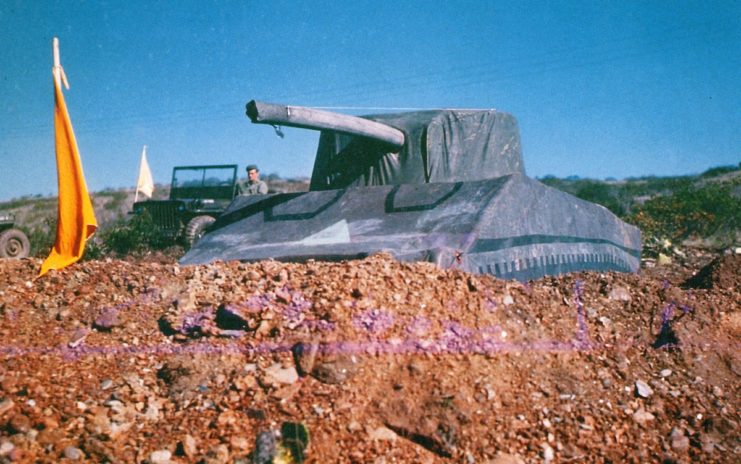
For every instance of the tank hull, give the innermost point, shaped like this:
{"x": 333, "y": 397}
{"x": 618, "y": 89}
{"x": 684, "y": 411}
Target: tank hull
{"x": 512, "y": 227}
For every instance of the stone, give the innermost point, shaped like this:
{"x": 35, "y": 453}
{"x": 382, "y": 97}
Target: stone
{"x": 239, "y": 443}
{"x": 643, "y": 417}
{"x": 548, "y": 453}
{"x": 504, "y": 458}
{"x": 189, "y": 446}
{"x": 266, "y": 447}
{"x": 277, "y": 374}
{"x": 219, "y": 454}
{"x": 354, "y": 426}
{"x": 6, "y": 447}
{"x": 107, "y": 320}
{"x": 620, "y": 294}
{"x": 643, "y": 390}
{"x": 6, "y": 405}
{"x": 665, "y": 373}
{"x": 72, "y": 453}
{"x": 679, "y": 441}
{"x": 20, "y": 423}
{"x": 304, "y": 355}
{"x": 78, "y": 337}
{"x": 160, "y": 457}
{"x": 382, "y": 434}
{"x": 336, "y": 369}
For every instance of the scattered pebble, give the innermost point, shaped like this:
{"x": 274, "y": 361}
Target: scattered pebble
{"x": 160, "y": 457}
{"x": 382, "y": 434}
{"x": 72, "y": 453}
{"x": 643, "y": 417}
{"x": 277, "y": 374}
{"x": 643, "y": 390}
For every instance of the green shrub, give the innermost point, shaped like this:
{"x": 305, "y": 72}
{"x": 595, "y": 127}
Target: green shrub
{"x": 41, "y": 237}
{"x": 135, "y": 236}
{"x": 689, "y": 212}
{"x": 602, "y": 194}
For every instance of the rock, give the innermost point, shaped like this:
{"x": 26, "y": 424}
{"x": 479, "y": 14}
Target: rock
{"x": 665, "y": 373}
{"x": 304, "y": 355}
{"x": 239, "y": 443}
{"x": 619, "y": 294}
{"x": 336, "y": 369}
{"x": 504, "y": 458}
{"x": 277, "y": 374}
{"x": 188, "y": 446}
{"x": 160, "y": 457}
{"x": 107, "y": 320}
{"x": 679, "y": 441}
{"x": 354, "y": 426}
{"x": 19, "y": 423}
{"x": 266, "y": 447}
{"x": 643, "y": 390}
{"x": 6, "y": 405}
{"x": 643, "y": 417}
{"x": 72, "y": 453}
{"x": 50, "y": 437}
{"x": 78, "y": 337}
{"x": 663, "y": 260}
{"x": 6, "y": 447}
{"x": 548, "y": 454}
{"x": 219, "y": 454}
{"x": 382, "y": 434}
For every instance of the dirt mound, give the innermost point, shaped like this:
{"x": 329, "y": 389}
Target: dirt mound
{"x": 722, "y": 273}
{"x": 365, "y": 361}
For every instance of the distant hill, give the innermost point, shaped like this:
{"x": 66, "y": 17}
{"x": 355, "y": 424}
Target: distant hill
{"x": 707, "y": 205}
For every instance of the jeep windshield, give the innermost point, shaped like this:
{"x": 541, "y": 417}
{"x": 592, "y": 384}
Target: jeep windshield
{"x": 203, "y": 182}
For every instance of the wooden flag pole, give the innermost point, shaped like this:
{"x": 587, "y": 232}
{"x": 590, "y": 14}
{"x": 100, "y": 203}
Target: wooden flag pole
{"x": 139, "y": 176}
{"x": 59, "y": 75}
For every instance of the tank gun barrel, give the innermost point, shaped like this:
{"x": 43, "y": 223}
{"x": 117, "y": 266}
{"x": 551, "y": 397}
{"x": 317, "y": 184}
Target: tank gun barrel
{"x": 310, "y": 118}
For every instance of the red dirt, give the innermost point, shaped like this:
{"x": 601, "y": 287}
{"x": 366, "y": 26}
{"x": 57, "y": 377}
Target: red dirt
{"x": 380, "y": 361}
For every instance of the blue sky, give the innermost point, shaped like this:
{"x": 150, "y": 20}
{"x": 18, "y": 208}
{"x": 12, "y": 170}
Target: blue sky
{"x": 600, "y": 88}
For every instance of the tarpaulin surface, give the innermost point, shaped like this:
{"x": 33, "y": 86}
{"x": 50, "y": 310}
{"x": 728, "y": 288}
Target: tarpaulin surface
{"x": 511, "y": 227}
{"x": 440, "y": 146}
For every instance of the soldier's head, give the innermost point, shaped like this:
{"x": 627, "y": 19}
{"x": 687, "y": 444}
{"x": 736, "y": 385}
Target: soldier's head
{"x": 253, "y": 173}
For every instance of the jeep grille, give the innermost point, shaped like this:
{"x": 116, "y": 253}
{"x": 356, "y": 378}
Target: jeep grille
{"x": 164, "y": 214}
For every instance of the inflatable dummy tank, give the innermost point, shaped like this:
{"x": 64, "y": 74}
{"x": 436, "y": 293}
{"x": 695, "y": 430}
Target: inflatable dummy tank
{"x": 445, "y": 186}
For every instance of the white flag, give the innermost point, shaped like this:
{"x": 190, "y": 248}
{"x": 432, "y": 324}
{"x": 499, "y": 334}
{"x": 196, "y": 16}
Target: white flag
{"x": 145, "y": 184}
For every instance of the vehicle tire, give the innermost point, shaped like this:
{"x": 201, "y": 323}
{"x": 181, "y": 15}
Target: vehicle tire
{"x": 196, "y": 228}
{"x": 14, "y": 244}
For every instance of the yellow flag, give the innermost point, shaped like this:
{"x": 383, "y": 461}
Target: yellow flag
{"x": 145, "y": 183}
{"x": 75, "y": 216}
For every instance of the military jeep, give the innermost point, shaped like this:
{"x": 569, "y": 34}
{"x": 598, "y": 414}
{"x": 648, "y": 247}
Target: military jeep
{"x": 13, "y": 242}
{"x": 198, "y": 194}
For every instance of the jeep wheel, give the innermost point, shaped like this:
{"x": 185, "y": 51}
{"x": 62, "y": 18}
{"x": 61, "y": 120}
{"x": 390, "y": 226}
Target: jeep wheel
{"x": 14, "y": 244}
{"x": 196, "y": 228}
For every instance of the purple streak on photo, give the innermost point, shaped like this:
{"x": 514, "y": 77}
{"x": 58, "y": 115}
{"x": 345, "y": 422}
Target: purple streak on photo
{"x": 194, "y": 322}
{"x": 685, "y": 309}
{"x": 455, "y": 338}
{"x": 582, "y": 333}
{"x": 418, "y": 326}
{"x": 373, "y": 321}
{"x": 667, "y": 313}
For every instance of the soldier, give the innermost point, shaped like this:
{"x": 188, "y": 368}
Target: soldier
{"x": 253, "y": 185}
